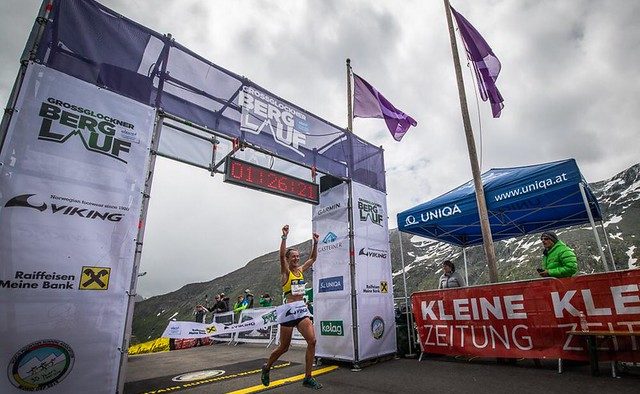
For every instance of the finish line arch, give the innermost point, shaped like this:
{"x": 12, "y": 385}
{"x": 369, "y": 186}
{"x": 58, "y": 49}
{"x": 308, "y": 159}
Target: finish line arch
{"x": 92, "y": 107}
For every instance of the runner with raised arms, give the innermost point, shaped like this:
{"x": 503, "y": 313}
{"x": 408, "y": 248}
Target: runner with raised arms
{"x": 293, "y": 286}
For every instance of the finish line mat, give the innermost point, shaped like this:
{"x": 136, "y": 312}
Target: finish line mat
{"x": 186, "y": 380}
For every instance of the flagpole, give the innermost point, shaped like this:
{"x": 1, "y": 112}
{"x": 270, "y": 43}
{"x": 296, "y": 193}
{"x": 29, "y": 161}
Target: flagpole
{"x": 487, "y": 238}
{"x": 349, "y": 99}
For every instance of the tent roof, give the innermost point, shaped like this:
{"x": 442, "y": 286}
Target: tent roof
{"x": 520, "y": 201}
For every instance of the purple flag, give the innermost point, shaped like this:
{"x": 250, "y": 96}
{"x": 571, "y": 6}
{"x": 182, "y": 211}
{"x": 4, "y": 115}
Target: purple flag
{"x": 369, "y": 103}
{"x": 485, "y": 63}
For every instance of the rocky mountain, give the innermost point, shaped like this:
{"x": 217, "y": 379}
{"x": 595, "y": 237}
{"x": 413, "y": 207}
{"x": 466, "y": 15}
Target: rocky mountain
{"x": 619, "y": 199}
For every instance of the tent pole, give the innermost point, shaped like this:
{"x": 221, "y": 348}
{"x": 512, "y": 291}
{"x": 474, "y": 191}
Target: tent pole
{"x": 466, "y": 271}
{"x": 606, "y": 238}
{"x": 406, "y": 298}
{"x": 593, "y": 225}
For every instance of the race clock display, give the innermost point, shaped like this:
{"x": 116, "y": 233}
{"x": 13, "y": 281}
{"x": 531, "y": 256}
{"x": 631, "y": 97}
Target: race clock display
{"x": 264, "y": 179}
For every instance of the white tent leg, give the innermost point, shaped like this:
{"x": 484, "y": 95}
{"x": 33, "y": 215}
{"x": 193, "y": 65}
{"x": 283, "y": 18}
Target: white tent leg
{"x": 606, "y": 238}
{"x": 466, "y": 271}
{"x": 406, "y": 297}
{"x": 593, "y": 226}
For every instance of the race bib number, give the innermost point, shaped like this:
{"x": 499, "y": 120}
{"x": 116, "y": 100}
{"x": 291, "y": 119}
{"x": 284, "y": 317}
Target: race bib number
{"x": 297, "y": 287}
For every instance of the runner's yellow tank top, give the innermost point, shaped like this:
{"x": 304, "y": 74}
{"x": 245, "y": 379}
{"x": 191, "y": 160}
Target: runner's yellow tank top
{"x": 294, "y": 285}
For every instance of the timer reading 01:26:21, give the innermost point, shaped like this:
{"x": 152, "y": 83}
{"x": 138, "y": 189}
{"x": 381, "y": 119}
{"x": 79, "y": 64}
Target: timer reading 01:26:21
{"x": 261, "y": 178}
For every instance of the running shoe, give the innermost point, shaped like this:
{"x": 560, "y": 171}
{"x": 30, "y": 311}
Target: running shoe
{"x": 312, "y": 383}
{"x": 265, "y": 375}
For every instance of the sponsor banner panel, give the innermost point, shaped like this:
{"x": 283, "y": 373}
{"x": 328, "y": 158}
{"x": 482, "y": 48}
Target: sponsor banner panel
{"x": 333, "y": 206}
{"x": 333, "y": 326}
{"x": 75, "y": 159}
{"x": 332, "y": 282}
{"x": 255, "y": 319}
{"x": 258, "y": 335}
{"x": 225, "y": 318}
{"x": 530, "y": 319}
{"x": 377, "y": 326}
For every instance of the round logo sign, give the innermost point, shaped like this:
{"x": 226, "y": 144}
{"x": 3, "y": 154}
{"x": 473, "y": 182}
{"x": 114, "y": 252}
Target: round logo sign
{"x": 377, "y": 327}
{"x": 198, "y": 375}
{"x": 40, "y": 365}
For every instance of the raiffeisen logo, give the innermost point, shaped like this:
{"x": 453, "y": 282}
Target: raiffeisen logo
{"x": 62, "y": 121}
{"x": 329, "y": 238}
{"x": 266, "y": 111}
{"x": 62, "y": 209}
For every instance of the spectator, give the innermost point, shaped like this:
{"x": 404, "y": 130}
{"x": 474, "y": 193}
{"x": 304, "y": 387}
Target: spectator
{"x": 450, "y": 278}
{"x": 200, "y": 312}
{"x": 219, "y": 306}
{"x": 225, "y": 299}
{"x": 239, "y": 305}
{"x": 248, "y": 298}
{"x": 265, "y": 300}
{"x": 558, "y": 260}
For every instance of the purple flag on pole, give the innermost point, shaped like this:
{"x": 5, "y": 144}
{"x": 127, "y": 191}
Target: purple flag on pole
{"x": 485, "y": 63}
{"x": 369, "y": 103}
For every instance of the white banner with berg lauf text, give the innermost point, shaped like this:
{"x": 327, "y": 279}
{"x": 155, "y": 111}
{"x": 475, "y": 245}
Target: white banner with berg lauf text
{"x": 73, "y": 170}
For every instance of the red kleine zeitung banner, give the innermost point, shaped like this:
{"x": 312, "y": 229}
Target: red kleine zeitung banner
{"x": 530, "y": 319}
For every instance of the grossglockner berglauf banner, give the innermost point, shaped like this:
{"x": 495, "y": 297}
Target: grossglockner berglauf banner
{"x": 75, "y": 159}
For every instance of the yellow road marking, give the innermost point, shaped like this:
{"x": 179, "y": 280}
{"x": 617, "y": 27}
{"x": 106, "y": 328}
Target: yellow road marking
{"x": 281, "y": 382}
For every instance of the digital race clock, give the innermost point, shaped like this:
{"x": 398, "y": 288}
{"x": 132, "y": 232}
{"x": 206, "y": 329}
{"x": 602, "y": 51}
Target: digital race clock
{"x": 270, "y": 181}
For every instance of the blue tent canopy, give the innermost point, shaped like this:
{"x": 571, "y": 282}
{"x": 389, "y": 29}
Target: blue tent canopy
{"x": 520, "y": 201}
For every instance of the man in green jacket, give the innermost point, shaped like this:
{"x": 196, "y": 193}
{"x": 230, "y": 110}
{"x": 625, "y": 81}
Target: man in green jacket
{"x": 558, "y": 260}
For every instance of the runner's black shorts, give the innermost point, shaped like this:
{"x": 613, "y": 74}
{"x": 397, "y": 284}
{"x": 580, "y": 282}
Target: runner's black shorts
{"x": 293, "y": 323}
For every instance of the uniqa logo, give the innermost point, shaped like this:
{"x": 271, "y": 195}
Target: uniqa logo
{"x": 377, "y": 327}
{"x": 40, "y": 365}
{"x": 332, "y": 328}
{"x": 433, "y": 214}
{"x": 69, "y": 210}
{"x": 335, "y": 283}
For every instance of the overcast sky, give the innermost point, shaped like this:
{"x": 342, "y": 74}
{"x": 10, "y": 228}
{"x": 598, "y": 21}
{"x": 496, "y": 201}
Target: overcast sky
{"x": 569, "y": 78}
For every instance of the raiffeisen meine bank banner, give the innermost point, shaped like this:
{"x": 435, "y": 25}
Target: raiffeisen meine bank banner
{"x": 72, "y": 176}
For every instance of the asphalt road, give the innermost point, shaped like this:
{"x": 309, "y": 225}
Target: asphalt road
{"x": 232, "y": 368}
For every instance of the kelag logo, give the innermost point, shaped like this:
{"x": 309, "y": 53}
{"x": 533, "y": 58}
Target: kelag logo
{"x": 370, "y": 211}
{"x": 332, "y": 328}
{"x": 335, "y": 283}
{"x": 96, "y": 130}
{"x": 65, "y": 209}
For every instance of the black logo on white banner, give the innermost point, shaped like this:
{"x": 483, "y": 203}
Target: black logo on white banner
{"x": 370, "y": 211}
{"x": 62, "y": 209}
{"x": 95, "y": 130}
{"x": 371, "y": 252}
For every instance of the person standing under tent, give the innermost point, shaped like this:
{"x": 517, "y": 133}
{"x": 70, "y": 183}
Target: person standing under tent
{"x": 450, "y": 278}
{"x": 293, "y": 286}
{"x": 558, "y": 260}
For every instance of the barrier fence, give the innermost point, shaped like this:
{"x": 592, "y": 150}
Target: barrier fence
{"x": 531, "y": 319}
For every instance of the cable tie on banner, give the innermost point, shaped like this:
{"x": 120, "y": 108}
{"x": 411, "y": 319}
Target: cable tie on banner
{"x": 131, "y": 294}
{"x": 42, "y": 20}
{"x": 9, "y": 111}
